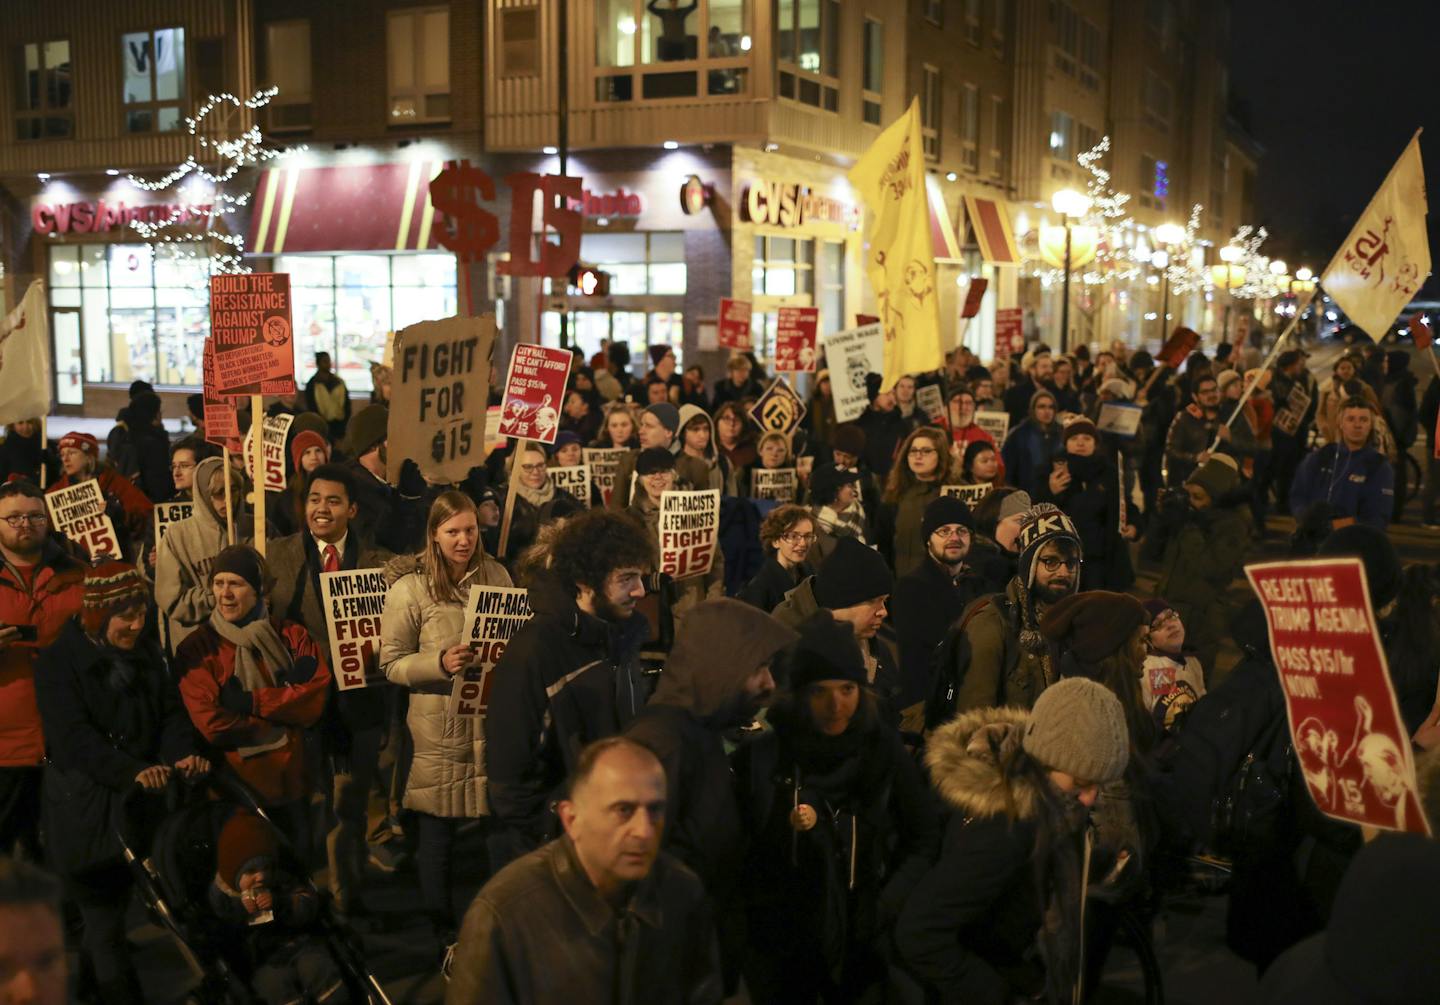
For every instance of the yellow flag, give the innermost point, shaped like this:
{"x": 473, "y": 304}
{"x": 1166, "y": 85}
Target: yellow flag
{"x": 900, "y": 260}
{"x": 1386, "y": 258}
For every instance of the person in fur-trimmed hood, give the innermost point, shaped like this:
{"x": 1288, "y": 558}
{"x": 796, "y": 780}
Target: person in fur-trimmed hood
{"x": 1018, "y": 787}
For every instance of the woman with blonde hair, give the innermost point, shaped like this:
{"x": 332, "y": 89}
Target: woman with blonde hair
{"x": 619, "y": 429}
{"x": 923, "y": 464}
{"x": 422, "y": 647}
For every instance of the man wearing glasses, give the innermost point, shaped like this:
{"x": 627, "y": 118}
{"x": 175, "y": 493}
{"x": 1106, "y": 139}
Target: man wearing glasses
{"x": 40, "y": 588}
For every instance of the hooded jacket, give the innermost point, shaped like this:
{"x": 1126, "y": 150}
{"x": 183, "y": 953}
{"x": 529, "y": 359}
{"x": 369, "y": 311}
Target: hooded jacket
{"x": 182, "y": 560}
{"x": 719, "y": 475}
{"x": 447, "y": 773}
{"x": 47, "y": 599}
{"x": 1028, "y": 449}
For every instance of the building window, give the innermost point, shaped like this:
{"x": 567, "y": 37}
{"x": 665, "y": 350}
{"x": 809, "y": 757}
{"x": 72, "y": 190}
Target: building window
{"x": 934, "y": 11}
{"x": 1155, "y": 101}
{"x": 997, "y": 136}
{"x": 830, "y": 285}
{"x": 999, "y": 11}
{"x": 972, "y": 21}
{"x": 43, "y": 97}
{"x": 807, "y": 36}
{"x": 1086, "y": 138}
{"x": 663, "y": 47}
{"x": 930, "y": 112}
{"x": 1078, "y": 47}
{"x": 520, "y": 42}
{"x": 1062, "y": 137}
{"x": 874, "y": 71}
{"x": 783, "y": 267}
{"x": 154, "y": 79}
{"x": 970, "y": 127}
{"x": 418, "y": 56}
{"x": 1155, "y": 182}
{"x": 1091, "y": 55}
{"x": 287, "y": 67}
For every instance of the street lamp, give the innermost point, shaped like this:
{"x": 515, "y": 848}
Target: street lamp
{"x": 1229, "y": 276}
{"x": 1071, "y": 206}
{"x": 1167, "y": 235}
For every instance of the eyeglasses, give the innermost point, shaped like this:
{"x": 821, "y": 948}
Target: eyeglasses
{"x": 1052, "y": 563}
{"x": 20, "y": 519}
{"x": 958, "y": 532}
{"x": 793, "y": 538}
{"x": 182, "y": 465}
{"x": 532, "y": 468}
{"x": 921, "y": 451}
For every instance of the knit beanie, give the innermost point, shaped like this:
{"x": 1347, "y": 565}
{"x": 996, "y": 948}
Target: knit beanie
{"x": 1093, "y": 624}
{"x": 303, "y": 441}
{"x": 312, "y": 421}
{"x": 110, "y": 585}
{"x": 368, "y": 427}
{"x": 1226, "y": 378}
{"x": 852, "y": 574}
{"x": 1079, "y": 426}
{"x": 827, "y": 650}
{"x": 80, "y": 441}
{"x": 1154, "y": 607}
{"x": 565, "y": 438}
{"x": 653, "y": 460}
{"x": 826, "y": 481}
{"x": 244, "y": 839}
{"x": 942, "y": 511}
{"x": 1043, "y": 523}
{"x": 1016, "y": 502}
{"x": 667, "y": 414}
{"x": 1375, "y": 550}
{"x": 1219, "y": 476}
{"x": 1077, "y": 726}
{"x": 657, "y": 353}
{"x": 848, "y": 438}
{"x": 243, "y": 561}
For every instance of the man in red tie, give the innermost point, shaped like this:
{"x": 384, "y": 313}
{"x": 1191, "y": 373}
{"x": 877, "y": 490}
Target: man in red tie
{"x": 353, "y": 732}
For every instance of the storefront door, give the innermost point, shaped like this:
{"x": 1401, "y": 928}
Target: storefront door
{"x": 69, "y": 366}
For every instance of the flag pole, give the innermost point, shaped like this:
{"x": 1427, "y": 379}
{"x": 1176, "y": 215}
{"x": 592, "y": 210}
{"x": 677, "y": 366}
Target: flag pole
{"x": 44, "y": 446}
{"x": 518, "y": 448}
{"x": 1274, "y": 352}
{"x": 257, "y": 459}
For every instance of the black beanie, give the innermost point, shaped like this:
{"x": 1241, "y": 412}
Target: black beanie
{"x": 243, "y": 561}
{"x": 945, "y": 510}
{"x": 827, "y": 650}
{"x": 852, "y": 575}
{"x": 653, "y": 460}
{"x": 1373, "y": 547}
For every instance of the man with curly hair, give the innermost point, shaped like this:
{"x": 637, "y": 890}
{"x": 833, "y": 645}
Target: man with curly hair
{"x": 569, "y": 677}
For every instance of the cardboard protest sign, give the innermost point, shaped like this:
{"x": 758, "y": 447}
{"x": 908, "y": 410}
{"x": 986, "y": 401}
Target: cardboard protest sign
{"x": 1120, "y": 418}
{"x": 734, "y": 325}
{"x": 493, "y": 614}
{"x": 997, "y": 424}
{"x": 1289, "y": 416}
{"x": 689, "y": 532}
{"x": 250, "y": 327}
{"x": 1181, "y": 343}
{"x": 494, "y": 439}
{"x": 602, "y": 462}
{"x": 574, "y": 480}
{"x": 438, "y": 402}
{"x": 779, "y": 484}
{"x": 353, "y": 603}
{"x": 78, "y": 512}
{"x": 931, "y": 401}
{"x": 1009, "y": 332}
{"x": 795, "y": 329}
{"x": 167, "y": 514}
{"x": 968, "y": 494}
{"x": 273, "y": 431}
{"x": 1351, "y": 743}
{"x": 779, "y": 409}
{"x": 535, "y": 392}
{"x": 850, "y": 355}
{"x": 222, "y": 428}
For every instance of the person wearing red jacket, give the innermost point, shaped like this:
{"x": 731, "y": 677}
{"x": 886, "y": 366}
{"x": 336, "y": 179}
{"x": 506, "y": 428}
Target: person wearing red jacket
{"x": 40, "y": 589}
{"x": 129, "y": 508}
{"x": 252, "y": 684}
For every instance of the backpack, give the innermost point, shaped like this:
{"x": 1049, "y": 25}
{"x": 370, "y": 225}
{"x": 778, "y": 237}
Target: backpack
{"x": 951, "y": 659}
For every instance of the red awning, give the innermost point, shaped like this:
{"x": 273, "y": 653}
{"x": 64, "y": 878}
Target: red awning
{"x": 990, "y": 223}
{"x": 378, "y": 207}
{"x": 942, "y": 232}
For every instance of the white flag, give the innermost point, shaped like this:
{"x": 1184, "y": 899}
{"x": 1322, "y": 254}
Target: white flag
{"x": 25, "y": 359}
{"x": 1386, "y": 258}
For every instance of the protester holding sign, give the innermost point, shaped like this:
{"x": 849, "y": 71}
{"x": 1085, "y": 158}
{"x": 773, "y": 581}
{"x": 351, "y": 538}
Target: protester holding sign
{"x": 537, "y": 501}
{"x": 127, "y": 506}
{"x": 659, "y": 425}
{"x": 423, "y": 648}
{"x": 655, "y": 472}
{"x": 183, "y": 556}
{"x": 387, "y": 517}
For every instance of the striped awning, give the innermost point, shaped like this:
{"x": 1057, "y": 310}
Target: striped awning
{"x": 942, "y": 231}
{"x": 378, "y": 207}
{"x": 989, "y": 221}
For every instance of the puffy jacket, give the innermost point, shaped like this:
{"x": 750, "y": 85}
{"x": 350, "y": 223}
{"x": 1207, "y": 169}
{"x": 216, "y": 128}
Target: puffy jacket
{"x": 47, "y": 601}
{"x": 1355, "y": 483}
{"x": 207, "y": 661}
{"x": 447, "y": 775}
{"x": 182, "y": 560}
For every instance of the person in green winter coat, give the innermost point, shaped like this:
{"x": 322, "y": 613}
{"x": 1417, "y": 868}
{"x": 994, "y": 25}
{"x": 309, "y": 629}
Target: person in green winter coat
{"x": 923, "y": 464}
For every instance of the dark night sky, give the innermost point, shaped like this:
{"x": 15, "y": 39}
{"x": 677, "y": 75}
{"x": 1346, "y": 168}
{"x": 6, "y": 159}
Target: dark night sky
{"x": 1333, "y": 90}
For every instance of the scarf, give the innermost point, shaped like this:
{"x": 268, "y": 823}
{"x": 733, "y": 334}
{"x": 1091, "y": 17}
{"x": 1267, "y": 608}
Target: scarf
{"x": 536, "y": 497}
{"x": 845, "y": 523}
{"x": 1031, "y": 641}
{"x": 260, "y": 655}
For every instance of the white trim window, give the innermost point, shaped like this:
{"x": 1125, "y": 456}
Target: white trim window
{"x": 288, "y": 67}
{"x": 807, "y": 46}
{"x": 154, "y": 81}
{"x": 873, "y": 76}
{"x": 930, "y": 97}
{"x": 418, "y": 64}
{"x": 970, "y": 127}
{"x": 44, "y": 96}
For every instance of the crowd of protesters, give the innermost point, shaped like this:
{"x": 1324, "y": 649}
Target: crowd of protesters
{"x": 895, "y": 744}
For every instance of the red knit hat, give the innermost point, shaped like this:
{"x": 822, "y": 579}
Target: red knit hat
{"x": 244, "y": 838}
{"x": 303, "y": 441}
{"x": 80, "y": 441}
{"x": 110, "y": 585}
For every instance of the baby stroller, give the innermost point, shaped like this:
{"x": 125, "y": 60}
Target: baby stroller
{"x": 174, "y": 878}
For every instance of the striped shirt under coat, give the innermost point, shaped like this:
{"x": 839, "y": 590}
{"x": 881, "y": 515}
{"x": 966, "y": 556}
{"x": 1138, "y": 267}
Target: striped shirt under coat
{"x": 447, "y": 775}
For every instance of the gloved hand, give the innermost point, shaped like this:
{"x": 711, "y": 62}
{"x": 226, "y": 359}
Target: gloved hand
{"x": 303, "y": 669}
{"x": 235, "y": 699}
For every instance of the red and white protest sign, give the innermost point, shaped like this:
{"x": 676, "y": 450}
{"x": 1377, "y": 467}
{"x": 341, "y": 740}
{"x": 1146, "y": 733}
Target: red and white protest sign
{"x": 1009, "y": 332}
{"x": 250, "y": 326}
{"x": 534, "y": 392}
{"x": 222, "y": 428}
{"x": 493, "y": 614}
{"x": 795, "y": 329}
{"x": 734, "y": 324}
{"x": 354, "y": 601}
{"x": 273, "y": 432}
{"x": 1345, "y": 723}
{"x": 78, "y": 512}
{"x": 689, "y": 532}
{"x": 974, "y": 293}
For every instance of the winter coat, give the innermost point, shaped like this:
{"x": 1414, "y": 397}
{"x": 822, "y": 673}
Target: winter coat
{"x": 183, "y": 557}
{"x": 1354, "y": 483}
{"x": 689, "y": 472}
{"x": 327, "y": 396}
{"x": 206, "y": 661}
{"x": 129, "y": 508}
{"x": 527, "y": 519}
{"x": 927, "y": 601}
{"x": 691, "y": 590}
{"x": 295, "y": 563}
{"x": 898, "y": 529}
{"x": 726, "y": 390}
{"x": 1430, "y": 412}
{"x": 447, "y": 773}
{"x": 1092, "y": 501}
{"x": 968, "y": 931}
{"x": 566, "y": 679}
{"x": 1201, "y": 552}
{"x": 384, "y": 517}
{"x": 1190, "y": 435}
{"x": 108, "y": 716}
{"x": 882, "y": 666}
{"x": 22, "y": 456}
{"x": 772, "y": 582}
{"x": 540, "y": 934}
{"x": 47, "y": 600}
{"x": 718, "y": 473}
{"x": 883, "y": 433}
{"x": 152, "y": 457}
{"x": 1027, "y": 453}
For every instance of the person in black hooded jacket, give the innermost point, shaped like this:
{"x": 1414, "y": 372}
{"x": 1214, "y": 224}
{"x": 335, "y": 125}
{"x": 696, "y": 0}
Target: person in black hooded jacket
{"x": 1086, "y": 486}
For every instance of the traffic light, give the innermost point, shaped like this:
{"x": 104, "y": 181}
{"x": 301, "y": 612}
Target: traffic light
{"x": 589, "y": 281}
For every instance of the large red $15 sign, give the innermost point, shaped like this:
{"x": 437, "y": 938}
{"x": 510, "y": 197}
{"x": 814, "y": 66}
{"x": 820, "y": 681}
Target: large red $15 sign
{"x": 470, "y": 230}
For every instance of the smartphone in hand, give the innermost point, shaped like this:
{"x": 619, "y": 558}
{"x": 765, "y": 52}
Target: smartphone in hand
{"x": 27, "y": 633}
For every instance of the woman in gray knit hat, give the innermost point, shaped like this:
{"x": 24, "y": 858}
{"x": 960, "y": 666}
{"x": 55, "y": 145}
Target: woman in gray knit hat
{"x": 1018, "y": 788}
